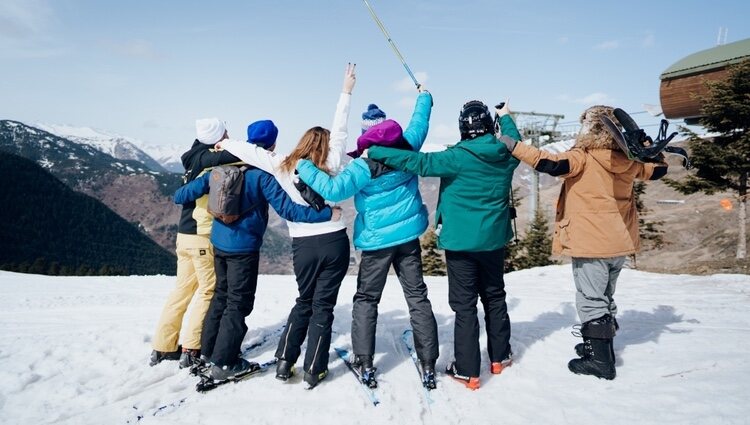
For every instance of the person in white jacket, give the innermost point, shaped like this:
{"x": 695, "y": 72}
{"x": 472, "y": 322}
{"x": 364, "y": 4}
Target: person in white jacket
{"x": 320, "y": 250}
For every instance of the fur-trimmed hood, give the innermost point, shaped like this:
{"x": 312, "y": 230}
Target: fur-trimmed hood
{"x": 593, "y": 135}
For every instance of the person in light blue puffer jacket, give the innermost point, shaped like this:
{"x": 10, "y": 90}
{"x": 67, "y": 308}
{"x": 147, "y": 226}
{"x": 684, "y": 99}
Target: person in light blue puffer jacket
{"x": 390, "y": 219}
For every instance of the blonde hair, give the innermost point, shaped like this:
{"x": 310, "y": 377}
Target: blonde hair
{"x": 313, "y": 145}
{"x": 593, "y": 135}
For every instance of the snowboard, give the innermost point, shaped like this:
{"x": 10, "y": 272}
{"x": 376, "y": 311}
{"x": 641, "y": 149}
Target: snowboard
{"x": 637, "y": 145}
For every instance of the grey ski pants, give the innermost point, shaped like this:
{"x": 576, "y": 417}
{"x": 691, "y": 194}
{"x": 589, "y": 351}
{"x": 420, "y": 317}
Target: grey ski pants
{"x": 595, "y": 280}
{"x": 373, "y": 272}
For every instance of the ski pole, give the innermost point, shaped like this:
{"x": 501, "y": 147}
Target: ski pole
{"x": 393, "y": 45}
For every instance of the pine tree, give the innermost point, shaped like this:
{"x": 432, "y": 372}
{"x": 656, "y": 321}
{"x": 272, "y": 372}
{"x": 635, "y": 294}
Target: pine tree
{"x": 723, "y": 163}
{"x": 535, "y": 249}
{"x": 649, "y": 231}
{"x": 432, "y": 261}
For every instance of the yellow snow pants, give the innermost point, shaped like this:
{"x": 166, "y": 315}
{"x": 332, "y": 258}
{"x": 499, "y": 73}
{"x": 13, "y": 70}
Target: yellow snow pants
{"x": 196, "y": 280}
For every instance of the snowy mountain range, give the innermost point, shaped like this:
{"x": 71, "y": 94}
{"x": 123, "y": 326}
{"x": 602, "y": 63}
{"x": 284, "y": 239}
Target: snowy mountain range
{"x": 129, "y": 187}
{"x": 155, "y": 157}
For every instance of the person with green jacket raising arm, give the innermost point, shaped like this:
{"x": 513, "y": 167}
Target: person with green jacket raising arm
{"x": 473, "y": 226}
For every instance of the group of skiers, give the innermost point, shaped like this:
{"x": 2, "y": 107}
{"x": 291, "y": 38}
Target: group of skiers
{"x": 596, "y": 224}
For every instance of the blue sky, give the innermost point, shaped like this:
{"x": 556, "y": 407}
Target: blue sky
{"x": 148, "y": 69}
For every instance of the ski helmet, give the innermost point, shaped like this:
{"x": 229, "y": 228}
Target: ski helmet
{"x": 474, "y": 120}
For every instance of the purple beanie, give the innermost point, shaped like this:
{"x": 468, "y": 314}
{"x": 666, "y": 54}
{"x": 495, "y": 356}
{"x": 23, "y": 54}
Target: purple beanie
{"x": 387, "y": 133}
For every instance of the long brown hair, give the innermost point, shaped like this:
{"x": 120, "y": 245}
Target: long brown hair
{"x": 313, "y": 145}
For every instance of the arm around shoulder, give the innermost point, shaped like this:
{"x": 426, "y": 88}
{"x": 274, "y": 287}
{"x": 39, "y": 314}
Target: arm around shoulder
{"x": 288, "y": 209}
{"x": 433, "y": 164}
{"x": 193, "y": 190}
{"x": 339, "y": 187}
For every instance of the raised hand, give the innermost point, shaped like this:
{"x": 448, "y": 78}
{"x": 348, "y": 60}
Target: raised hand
{"x": 505, "y": 110}
{"x": 349, "y": 78}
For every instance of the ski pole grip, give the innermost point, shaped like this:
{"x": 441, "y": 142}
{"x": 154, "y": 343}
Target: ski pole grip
{"x": 500, "y": 105}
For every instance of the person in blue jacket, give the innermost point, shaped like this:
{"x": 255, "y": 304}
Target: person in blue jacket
{"x": 236, "y": 257}
{"x": 390, "y": 219}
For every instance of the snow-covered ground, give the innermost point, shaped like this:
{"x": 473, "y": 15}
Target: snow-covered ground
{"x": 75, "y": 350}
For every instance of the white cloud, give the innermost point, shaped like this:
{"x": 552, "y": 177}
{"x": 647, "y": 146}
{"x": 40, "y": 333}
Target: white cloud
{"x": 23, "y": 19}
{"x": 596, "y": 98}
{"x": 608, "y": 45}
{"x": 443, "y": 134}
{"x": 140, "y": 49}
{"x": 407, "y": 85}
{"x": 648, "y": 40}
{"x": 563, "y": 40}
{"x": 406, "y": 102}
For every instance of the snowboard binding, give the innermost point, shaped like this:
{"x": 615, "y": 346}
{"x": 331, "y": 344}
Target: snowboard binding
{"x": 637, "y": 145}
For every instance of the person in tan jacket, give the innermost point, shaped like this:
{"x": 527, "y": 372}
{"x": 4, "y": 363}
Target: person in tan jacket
{"x": 596, "y": 223}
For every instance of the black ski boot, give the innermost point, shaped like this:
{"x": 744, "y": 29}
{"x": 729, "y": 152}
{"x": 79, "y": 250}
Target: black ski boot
{"x": 598, "y": 359}
{"x": 363, "y": 364}
{"x": 189, "y": 358}
{"x": 581, "y": 351}
{"x": 284, "y": 370}
{"x": 313, "y": 379}
{"x": 428, "y": 374}
{"x": 220, "y": 374}
{"x": 159, "y": 356}
{"x": 598, "y": 355}
{"x": 201, "y": 367}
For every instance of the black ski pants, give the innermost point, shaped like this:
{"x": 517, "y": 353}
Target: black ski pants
{"x": 473, "y": 275}
{"x": 373, "y": 272}
{"x": 224, "y": 327}
{"x": 320, "y": 264}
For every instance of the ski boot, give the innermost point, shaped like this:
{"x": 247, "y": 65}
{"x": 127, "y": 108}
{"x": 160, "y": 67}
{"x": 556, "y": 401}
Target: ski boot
{"x": 313, "y": 379}
{"x": 580, "y": 348}
{"x": 284, "y": 370}
{"x": 220, "y": 374}
{"x": 159, "y": 356}
{"x": 497, "y": 368}
{"x": 201, "y": 367}
{"x": 189, "y": 358}
{"x": 471, "y": 382}
{"x": 598, "y": 355}
{"x": 428, "y": 374}
{"x": 363, "y": 364}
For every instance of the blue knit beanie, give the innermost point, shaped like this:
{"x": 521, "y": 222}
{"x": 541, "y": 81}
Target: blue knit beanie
{"x": 372, "y": 116}
{"x": 262, "y": 133}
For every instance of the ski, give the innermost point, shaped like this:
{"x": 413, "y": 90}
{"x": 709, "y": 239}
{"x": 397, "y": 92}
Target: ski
{"x": 207, "y": 384}
{"x": 408, "y": 339}
{"x": 201, "y": 368}
{"x": 369, "y": 392}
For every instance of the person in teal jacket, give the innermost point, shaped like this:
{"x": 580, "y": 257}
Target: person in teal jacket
{"x": 390, "y": 219}
{"x": 473, "y": 226}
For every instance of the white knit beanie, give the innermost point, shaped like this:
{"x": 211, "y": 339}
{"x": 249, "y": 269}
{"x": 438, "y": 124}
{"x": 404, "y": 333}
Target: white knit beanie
{"x": 209, "y": 130}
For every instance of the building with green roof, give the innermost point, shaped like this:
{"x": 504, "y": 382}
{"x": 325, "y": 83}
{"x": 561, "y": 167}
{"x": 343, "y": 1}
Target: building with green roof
{"x": 686, "y": 78}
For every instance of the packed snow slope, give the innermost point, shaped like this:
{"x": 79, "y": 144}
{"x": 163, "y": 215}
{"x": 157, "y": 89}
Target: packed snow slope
{"x": 75, "y": 350}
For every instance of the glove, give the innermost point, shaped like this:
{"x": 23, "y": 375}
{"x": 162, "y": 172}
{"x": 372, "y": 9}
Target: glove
{"x": 310, "y": 196}
{"x": 508, "y": 142}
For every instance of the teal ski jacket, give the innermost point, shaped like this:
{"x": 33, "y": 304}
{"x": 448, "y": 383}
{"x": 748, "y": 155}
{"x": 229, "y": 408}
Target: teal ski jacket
{"x": 389, "y": 206}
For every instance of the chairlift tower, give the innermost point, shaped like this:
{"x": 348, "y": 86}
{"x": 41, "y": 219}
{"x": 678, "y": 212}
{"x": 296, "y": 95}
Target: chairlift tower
{"x": 540, "y": 129}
